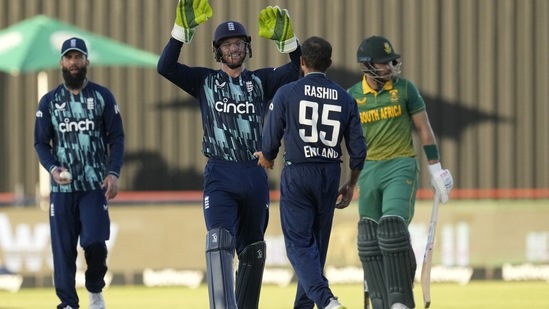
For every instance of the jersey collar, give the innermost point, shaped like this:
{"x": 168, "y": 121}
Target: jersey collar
{"x": 367, "y": 89}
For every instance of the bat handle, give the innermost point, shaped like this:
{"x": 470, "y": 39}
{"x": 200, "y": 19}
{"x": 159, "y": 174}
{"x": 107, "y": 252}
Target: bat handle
{"x": 366, "y": 296}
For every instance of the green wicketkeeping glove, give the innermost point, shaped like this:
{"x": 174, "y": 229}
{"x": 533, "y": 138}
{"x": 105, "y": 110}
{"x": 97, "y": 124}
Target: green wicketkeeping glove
{"x": 275, "y": 24}
{"x": 189, "y": 14}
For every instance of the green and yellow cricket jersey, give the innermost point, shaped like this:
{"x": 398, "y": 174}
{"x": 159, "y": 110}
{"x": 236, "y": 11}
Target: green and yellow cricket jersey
{"x": 386, "y": 117}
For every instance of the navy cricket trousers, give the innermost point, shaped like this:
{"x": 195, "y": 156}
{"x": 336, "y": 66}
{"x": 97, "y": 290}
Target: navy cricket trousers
{"x": 72, "y": 216}
{"x": 307, "y": 204}
{"x": 236, "y": 198}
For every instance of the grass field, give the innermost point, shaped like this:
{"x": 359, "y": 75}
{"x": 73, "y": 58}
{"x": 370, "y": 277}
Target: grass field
{"x": 475, "y": 295}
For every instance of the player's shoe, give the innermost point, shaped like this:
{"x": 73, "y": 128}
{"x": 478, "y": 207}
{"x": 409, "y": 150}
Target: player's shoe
{"x": 96, "y": 301}
{"x": 334, "y": 304}
{"x": 399, "y": 306}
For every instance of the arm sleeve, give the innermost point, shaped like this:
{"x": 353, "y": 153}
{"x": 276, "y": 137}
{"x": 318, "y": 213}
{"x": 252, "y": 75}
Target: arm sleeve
{"x": 43, "y": 135}
{"x": 354, "y": 139}
{"x": 115, "y": 134}
{"x": 274, "y": 128}
{"x": 275, "y": 78}
{"x": 181, "y": 75}
{"x": 416, "y": 103}
{"x": 295, "y": 56}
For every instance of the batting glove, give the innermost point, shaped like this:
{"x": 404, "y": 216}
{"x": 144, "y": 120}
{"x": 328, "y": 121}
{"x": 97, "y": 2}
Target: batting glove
{"x": 275, "y": 24}
{"x": 441, "y": 181}
{"x": 188, "y": 15}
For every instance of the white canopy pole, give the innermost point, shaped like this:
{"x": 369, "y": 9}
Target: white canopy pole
{"x": 43, "y": 187}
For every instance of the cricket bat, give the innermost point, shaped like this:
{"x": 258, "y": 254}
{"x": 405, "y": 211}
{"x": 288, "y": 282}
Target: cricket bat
{"x": 428, "y": 255}
{"x": 366, "y": 296}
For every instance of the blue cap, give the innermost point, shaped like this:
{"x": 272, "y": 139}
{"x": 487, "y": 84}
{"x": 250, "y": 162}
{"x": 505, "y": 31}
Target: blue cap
{"x": 74, "y": 44}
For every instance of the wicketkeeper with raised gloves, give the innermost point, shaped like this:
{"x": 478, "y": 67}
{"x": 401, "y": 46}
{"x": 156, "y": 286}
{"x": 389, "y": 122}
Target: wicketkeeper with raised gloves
{"x": 233, "y": 103}
{"x": 389, "y": 106}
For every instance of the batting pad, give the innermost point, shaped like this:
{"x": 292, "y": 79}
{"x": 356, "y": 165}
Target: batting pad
{"x": 372, "y": 262}
{"x": 219, "y": 264}
{"x": 398, "y": 259}
{"x": 250, "y": 275}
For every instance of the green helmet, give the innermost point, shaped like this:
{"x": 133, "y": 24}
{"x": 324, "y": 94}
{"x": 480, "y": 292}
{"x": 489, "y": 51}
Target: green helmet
{"x": 376, "y": 49}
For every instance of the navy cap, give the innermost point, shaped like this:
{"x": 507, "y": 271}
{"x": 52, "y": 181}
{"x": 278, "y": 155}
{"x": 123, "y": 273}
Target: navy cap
{"x": 229, "y": 29}
{"x": 74, "y": 44}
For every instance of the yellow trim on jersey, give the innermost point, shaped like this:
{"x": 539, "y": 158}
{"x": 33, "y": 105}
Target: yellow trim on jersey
{"x": 366, "y": 87}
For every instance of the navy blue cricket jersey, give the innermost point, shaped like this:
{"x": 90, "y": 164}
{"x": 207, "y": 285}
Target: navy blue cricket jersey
{"x": 314, "y": 114}
{"x": 83, "y": 133}
{"x": 233, "y": 109}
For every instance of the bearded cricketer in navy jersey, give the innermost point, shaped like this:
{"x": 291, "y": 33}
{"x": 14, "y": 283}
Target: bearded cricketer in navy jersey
{"x": 79, "y": 139}
{"x": 313, "y": 115}
{"x": 233, "y": 102}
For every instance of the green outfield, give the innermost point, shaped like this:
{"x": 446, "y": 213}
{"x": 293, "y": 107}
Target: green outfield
{"x": 476, "y": 295}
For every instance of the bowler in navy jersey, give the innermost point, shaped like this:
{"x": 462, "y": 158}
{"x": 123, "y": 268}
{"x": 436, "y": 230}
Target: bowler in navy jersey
{"x": 78, "y": 129}
{"x": 233, "y": 103}
{"x": 313, "y": 115}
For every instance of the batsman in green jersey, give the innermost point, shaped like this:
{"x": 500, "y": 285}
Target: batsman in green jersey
{"x": 389, "y": 105}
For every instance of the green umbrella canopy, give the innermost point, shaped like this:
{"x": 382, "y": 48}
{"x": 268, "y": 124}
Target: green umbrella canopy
{"x": 34, "y": 45}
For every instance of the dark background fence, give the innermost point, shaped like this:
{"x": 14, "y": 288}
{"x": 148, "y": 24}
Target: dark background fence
{"x": 481, "y": 65}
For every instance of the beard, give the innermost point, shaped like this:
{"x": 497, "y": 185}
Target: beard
{"x": 75, "y": 81}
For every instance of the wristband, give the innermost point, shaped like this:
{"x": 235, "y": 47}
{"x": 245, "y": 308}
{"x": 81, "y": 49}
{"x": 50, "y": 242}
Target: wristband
{"x": 431, "y": 152}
